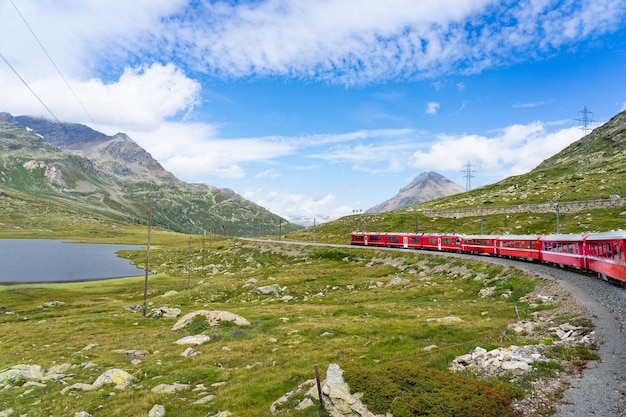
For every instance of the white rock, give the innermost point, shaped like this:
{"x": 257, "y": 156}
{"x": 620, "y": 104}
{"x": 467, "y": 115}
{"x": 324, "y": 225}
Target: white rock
{"x": 193, "y": 340}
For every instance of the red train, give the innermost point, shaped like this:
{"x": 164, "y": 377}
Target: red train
{"x": 602, "y": 253}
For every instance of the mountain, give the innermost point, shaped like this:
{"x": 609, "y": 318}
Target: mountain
{"x": 427, "y": 186}
{"x": 115, "y": 177}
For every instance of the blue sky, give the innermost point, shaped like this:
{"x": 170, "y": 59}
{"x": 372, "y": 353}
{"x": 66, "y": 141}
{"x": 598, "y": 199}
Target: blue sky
{"x": 314, "y": 109}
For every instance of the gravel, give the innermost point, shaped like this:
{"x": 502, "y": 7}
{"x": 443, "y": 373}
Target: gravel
{"x": 601, "y": 389}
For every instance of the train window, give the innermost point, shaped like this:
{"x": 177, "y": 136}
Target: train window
{"x": 432, "y": 240}
{"x": 392, "y": 239}
{"x": 376, "y": 238}
{"x": 415, "y": 240}
{"x": 358, "y": 237}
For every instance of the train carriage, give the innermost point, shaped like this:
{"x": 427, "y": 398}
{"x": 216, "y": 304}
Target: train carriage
{"x": 563, "y": 250}
{"x": 480, "y": 244}
{"x": 369, "y": 239}
{"x": 606, "y": 254}
{"x": 442, "y": 242}
{"x": 519, "y": 246}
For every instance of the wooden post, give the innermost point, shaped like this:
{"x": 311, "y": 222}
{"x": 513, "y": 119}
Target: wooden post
{"x": 319, "y": 387}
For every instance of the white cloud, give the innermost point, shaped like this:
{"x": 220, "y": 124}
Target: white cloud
{"x": 432, "y": 107}
{"x": 353, "y": 42}
{"x": 301, "y": 208}
{"x": 513, "y": 150}
{"x": 270, "y": 173}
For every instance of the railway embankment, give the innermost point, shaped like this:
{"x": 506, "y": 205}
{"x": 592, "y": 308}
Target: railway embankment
{"x": 550, "y": 207}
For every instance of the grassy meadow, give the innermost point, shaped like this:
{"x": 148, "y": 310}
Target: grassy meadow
{"x": 340, "y": 311}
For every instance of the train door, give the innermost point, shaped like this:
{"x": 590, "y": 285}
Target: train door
{"x": 439, "y": 243}
{"x": 365, "y": 240}
{"x": 405, "y": 242}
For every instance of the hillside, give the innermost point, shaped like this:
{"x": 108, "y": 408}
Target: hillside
{"x": 593, "y": 167}
{"x": 427, "y": 186}
{"x": 116, "y": 178}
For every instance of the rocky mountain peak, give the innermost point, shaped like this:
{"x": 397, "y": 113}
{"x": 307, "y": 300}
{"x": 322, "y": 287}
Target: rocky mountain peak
{"x": 427, "y": 186}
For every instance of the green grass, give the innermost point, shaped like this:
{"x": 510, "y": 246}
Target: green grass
{"x": 338, "y": 315}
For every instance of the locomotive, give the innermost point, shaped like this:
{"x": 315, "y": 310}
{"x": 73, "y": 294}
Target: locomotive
{"x": 600, "y": 253}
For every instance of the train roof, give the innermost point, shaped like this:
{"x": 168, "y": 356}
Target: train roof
{"x": 567, "y": 237}
{"x": 519, "y": 237}
{"x": 616, "y": 234}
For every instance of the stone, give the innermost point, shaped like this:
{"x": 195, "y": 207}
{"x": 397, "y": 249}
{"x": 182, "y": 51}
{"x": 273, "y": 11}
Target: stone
{"x": 213, "y": 318}
{"x": 269, "y": 290}
{"x": 170, "y": 388}
{"x": 170, "y": 293}
{"x": 198, "y": 339}
{"x": 52, "y": 304}
{"x": 397, "y": 281}
{"x": 82, "y": 414}
{"x": 21, "y": 373}
{"x": 165, "y": 311}
{"x": 449, "y": 319}
{"x": 204, "y": 399}
{"x": 189, "y": 353}
{"x": 338, "y": 400}
{"x": 120, "y": 378}
{"x": 157, "y": 411}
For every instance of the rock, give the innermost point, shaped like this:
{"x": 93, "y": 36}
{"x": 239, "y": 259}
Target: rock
{"x": 78, "y": 386}
{"x": 338, "y": 400}
{"x": 170, "y": 388}
{"x": 213, "y": 317}
{"x": 189, "y": 353}
{"x": 397, "y": 281}
{"x": 132, "y": 353}
{"x": 221, "y": 414}
{"x": 21, "y": 373}
{"x": 169, "y": 293}
{"x": 304, "y": 387}
{"x": 6, "y": 413}
{"x": 286, "y": 298}
{"x": 449, "y": 319}
{"x": 198, "y": 339}
{"x": 164, "y": 311}
{"x": 82, "y": 414}
{"x": 269, "y": 289}
{"x": 157, "y": 411}
{"x": 205, "y": 399}
{"x": 52, "y": 304}
{"x": 119, "y": 377}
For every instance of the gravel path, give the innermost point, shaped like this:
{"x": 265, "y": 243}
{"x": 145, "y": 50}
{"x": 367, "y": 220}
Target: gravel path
{"x": 601, "y": 389}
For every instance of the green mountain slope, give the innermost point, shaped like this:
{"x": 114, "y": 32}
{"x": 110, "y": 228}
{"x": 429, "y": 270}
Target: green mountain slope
{"x": 116, "y": 178}
{"x": 593, "y": 167}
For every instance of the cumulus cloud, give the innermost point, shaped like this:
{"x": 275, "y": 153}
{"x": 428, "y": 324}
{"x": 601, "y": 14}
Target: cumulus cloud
{"x": 301, "y": 208}
{"x": 432, "y": 107}
{"x": 513, "y": 150}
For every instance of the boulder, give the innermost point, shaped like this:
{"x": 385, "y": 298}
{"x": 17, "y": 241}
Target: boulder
{"x": 269, "y": 290}
{"x": 213, "y": 317}
{"x": 120, "y": 378}
{"x": 198, "y": 339}
{"x": 157, "y": 411}
{"x": 21, "y": 373}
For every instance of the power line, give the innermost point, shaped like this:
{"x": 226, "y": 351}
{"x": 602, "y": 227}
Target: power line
{"x": 55, "y": 66}
{"x": 28, "y": 86}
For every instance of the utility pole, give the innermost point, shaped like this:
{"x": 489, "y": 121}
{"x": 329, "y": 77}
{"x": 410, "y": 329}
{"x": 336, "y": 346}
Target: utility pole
{"x": 585, "y": 120}
{"x": 468, "y": 171}
{"x": 145, "y": 284}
